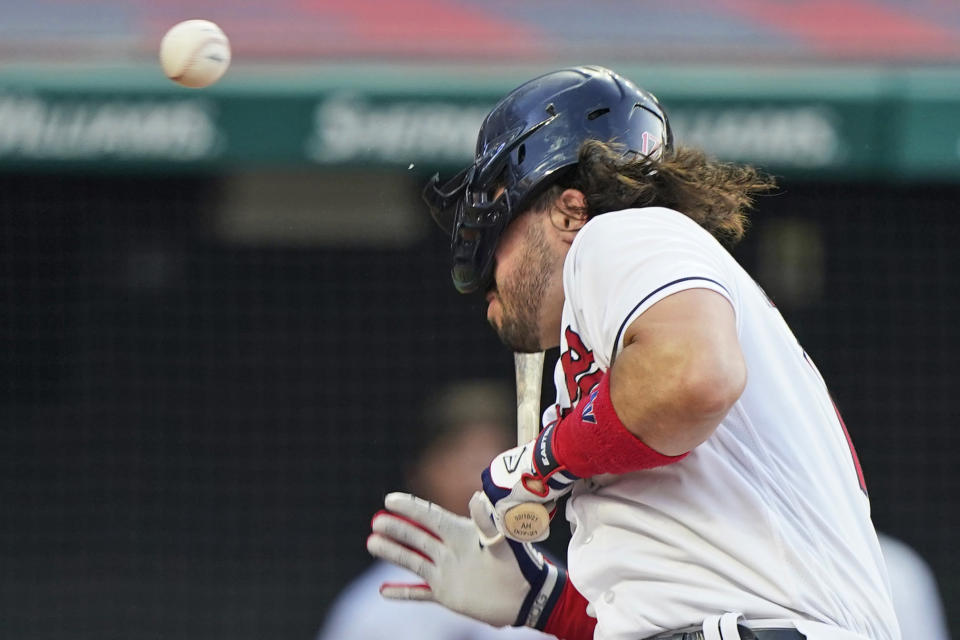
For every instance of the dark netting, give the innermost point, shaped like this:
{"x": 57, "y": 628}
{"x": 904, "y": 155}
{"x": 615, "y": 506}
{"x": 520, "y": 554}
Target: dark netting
{"x": 194, "y": 435}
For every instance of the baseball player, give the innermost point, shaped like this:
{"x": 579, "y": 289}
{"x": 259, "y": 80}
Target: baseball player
{"x": 714, "y": 491}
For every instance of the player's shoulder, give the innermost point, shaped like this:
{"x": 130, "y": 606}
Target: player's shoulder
{"x": 632, "y": 225}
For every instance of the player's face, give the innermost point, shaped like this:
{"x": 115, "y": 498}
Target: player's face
{"x": 525, "y": 271}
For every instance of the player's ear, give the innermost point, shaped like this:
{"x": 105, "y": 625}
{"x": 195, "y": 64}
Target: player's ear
{"x": 569, "y": 212}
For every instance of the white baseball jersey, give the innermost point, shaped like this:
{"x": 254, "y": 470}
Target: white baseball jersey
{"x": 769, "y": 517}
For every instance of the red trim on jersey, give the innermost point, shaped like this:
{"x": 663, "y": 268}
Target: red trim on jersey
{"x": 591, "y": 440}
{"x": 843, "y": 425}
{"x": 853, "y": 451}
{"x": 569, "y": 619}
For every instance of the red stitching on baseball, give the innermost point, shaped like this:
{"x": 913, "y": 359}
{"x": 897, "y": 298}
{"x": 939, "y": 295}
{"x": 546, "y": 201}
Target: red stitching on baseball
{"x": 193, "y": 56}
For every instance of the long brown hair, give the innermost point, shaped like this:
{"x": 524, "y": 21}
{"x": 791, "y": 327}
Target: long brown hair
{"x": 714, "y": 194}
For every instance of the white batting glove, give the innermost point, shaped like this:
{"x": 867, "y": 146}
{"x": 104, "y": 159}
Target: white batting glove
{"x": 505, "y": 583}
{"x": 527, "y": 473}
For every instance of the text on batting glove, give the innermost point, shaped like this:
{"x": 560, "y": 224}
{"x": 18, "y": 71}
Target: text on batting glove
{"x": 502, "y": 584}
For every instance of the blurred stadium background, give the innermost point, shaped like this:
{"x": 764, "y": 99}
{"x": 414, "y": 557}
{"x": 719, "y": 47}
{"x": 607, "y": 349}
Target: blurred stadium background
{"x": 220, "y": 310}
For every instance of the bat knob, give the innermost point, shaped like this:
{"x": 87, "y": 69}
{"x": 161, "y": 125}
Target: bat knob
{"x": 528, "y": 522}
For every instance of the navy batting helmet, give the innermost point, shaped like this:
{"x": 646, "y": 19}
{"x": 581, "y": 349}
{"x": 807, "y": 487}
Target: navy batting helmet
{"x": 525, "y": 143}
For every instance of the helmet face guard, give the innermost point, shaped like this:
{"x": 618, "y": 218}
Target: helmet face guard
{"x": 475, "y": 207}
{"x": 524, "y": 143}
{"x": 475, "y": 221}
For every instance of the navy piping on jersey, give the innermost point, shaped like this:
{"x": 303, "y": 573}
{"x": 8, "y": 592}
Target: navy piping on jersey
{"x": 647, "y": 297}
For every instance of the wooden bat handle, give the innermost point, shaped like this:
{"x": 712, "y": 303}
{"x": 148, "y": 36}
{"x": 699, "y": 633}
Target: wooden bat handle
{"x": 528, "y": 521}
{"x": 529, "y": 370}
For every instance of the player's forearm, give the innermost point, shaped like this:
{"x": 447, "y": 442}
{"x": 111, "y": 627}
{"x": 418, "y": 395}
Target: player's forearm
{"x": 671, "y": 385}
{"x": 673, "y": 394}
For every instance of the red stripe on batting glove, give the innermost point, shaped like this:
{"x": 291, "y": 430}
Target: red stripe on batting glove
{"x": 384, "y": 512}
{"x": 420, "y": 585}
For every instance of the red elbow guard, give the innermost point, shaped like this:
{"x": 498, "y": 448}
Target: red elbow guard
{"x": 591, "y": 440}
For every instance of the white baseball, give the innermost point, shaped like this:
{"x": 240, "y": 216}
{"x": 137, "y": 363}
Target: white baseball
{"x": 195, "y": 53}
